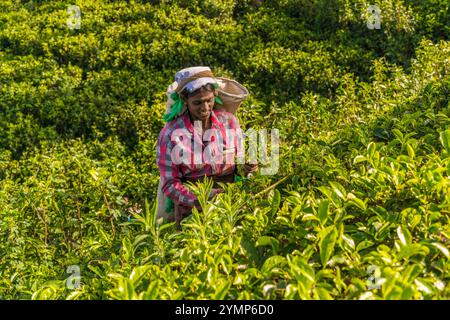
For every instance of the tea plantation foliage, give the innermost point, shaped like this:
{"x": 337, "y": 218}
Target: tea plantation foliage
{"x": 359, "y": 209}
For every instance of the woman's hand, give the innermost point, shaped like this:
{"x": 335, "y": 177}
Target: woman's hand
{"x": 214, "y": 192}
{"x": 250, "y": 168}
{"x": 217, "y": 191}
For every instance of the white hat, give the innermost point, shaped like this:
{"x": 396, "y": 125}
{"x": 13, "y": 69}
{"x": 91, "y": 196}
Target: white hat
{"x": 194, "y": 78}
{"x": 230, "y": 92}
{"x": 190, "y": 79}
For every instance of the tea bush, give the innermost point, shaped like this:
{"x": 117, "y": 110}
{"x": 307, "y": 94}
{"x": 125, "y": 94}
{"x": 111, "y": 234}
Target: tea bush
{"x": 359, "y": 208}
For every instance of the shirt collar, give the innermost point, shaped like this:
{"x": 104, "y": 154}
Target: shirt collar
{"x": 215, "y": 123}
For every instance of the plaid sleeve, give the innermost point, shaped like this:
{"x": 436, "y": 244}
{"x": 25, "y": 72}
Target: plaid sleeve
{"x": 170, "y": 173}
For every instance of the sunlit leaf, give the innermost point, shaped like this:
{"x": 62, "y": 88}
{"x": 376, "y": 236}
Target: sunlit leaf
{"x": 327, "y": 242}
{"x": 338, "y": 189}
{"x": 444, "y": 137}
{"x": 404, "y": 235}
{"x": 442, "y": 248}
{"x": 322, "y": 211}
{"x": 276, "y": 199}
{"x": 272, "y": 262}
{"x": 268, "y": 241}
{"x": 359, "y": 159}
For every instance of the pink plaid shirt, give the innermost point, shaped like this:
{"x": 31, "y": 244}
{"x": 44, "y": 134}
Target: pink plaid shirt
{"x": 197, "y": 165}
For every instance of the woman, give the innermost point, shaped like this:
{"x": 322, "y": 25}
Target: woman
{"x": 194, "y": 140}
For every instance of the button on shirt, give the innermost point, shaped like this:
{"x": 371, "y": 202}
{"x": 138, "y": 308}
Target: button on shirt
{"x": 184, "y": 151}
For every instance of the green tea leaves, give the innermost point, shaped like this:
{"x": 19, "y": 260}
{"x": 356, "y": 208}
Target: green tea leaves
{"x": 404, "y": 235}
{"x": 444, "y": 137}
{"x": 442, "y": 248}
{"x": 326, "y": 244}
{"x": 268, "y": 241}
{"x": 338, "y": 189}
{"x": 322, "y": 211}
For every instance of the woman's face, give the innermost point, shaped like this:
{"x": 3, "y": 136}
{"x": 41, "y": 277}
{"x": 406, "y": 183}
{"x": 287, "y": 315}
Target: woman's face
{"x": 200, "y": 105}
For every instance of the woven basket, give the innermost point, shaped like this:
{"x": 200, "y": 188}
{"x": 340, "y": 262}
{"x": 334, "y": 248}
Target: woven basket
{"x": 232, "y": 94}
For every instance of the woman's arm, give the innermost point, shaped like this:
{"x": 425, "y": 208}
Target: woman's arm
{"x": 170, "y": 173}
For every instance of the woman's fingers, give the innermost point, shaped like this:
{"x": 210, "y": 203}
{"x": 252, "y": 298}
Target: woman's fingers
{"x": 249, "y": 168}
